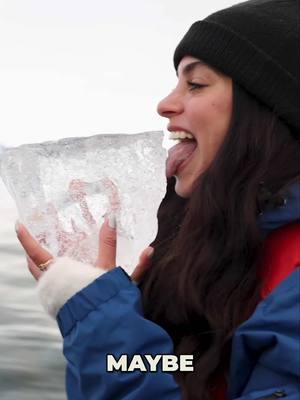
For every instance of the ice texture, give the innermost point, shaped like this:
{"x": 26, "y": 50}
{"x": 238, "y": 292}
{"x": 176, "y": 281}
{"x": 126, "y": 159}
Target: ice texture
{"x": 63, "y": 189}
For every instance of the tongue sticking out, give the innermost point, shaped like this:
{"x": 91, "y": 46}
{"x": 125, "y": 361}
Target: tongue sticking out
{"x": 177, "y": 155}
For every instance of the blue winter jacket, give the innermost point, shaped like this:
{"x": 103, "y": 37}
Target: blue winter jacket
{"x": 106, "y": 317}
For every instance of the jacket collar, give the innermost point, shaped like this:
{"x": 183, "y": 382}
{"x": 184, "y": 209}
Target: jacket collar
{"x": 289, "y": 212}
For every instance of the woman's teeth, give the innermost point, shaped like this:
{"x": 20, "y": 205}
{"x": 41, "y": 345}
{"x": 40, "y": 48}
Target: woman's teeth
{"x": 180, "y": 135}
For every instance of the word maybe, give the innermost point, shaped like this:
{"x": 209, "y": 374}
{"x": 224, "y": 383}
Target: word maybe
{"x": 149, "y": 363}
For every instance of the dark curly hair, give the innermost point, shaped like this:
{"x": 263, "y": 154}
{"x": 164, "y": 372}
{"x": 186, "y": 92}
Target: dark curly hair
{"x": 203, "y": 282}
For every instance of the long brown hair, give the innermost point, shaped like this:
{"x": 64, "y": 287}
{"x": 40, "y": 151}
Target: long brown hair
{"x": 203, "y": 282}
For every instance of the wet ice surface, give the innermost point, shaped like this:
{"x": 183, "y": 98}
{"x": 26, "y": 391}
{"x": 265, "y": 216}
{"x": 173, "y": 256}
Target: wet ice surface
{"x": 63, "y": 189}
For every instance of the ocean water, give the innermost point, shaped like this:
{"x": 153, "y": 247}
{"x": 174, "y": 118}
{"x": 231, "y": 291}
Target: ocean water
{"x": 32, "y": 366}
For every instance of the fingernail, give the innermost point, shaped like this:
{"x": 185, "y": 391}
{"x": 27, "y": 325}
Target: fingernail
{"x": 17, "y": 226}
{"x": 112, "y": 221}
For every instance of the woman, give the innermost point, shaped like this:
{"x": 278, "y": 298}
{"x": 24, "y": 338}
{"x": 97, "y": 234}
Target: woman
{"x": 222, "y": 284}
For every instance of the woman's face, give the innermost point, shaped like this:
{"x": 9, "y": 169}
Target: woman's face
{"x": 200, "y": 104}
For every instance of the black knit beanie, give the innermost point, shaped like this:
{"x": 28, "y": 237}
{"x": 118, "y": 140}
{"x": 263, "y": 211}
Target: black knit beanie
{"x": 257, "y": 44}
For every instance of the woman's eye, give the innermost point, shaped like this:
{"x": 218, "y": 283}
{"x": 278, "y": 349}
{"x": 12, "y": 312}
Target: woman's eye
{"x": 195, "y": 86}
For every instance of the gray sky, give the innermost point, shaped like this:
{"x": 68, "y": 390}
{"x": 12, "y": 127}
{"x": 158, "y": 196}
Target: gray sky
{"x": 78, "y": 68}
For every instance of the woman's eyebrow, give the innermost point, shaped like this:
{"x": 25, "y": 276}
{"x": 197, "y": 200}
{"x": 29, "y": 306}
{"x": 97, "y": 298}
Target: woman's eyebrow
{"x": 187, "y": 69}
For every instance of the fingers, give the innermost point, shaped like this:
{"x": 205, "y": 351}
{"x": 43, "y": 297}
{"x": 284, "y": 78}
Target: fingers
{"x": 36, "y": 253}
{"x": 107, "y": 244}
{"x": 143, "y": 265}
{"x": 35, "y": 271}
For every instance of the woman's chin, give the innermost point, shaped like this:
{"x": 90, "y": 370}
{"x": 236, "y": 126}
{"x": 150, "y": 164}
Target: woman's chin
{"x": 182, "y": 189}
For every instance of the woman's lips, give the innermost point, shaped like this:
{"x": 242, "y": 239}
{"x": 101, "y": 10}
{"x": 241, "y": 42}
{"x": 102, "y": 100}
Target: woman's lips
{"x": 178, "y": 154}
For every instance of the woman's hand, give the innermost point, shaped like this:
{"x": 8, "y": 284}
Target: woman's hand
{"x": 106, "y": 260}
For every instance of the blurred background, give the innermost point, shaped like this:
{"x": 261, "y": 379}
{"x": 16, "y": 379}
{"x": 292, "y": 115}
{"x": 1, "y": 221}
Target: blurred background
{"x": 72, "y": 68}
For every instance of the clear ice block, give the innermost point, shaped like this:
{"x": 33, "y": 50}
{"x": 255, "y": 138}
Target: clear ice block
{"x": 63, "y": 189}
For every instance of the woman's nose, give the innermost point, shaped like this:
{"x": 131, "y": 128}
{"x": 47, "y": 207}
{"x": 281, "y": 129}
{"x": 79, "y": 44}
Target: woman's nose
{"x": 170, "y": 105}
